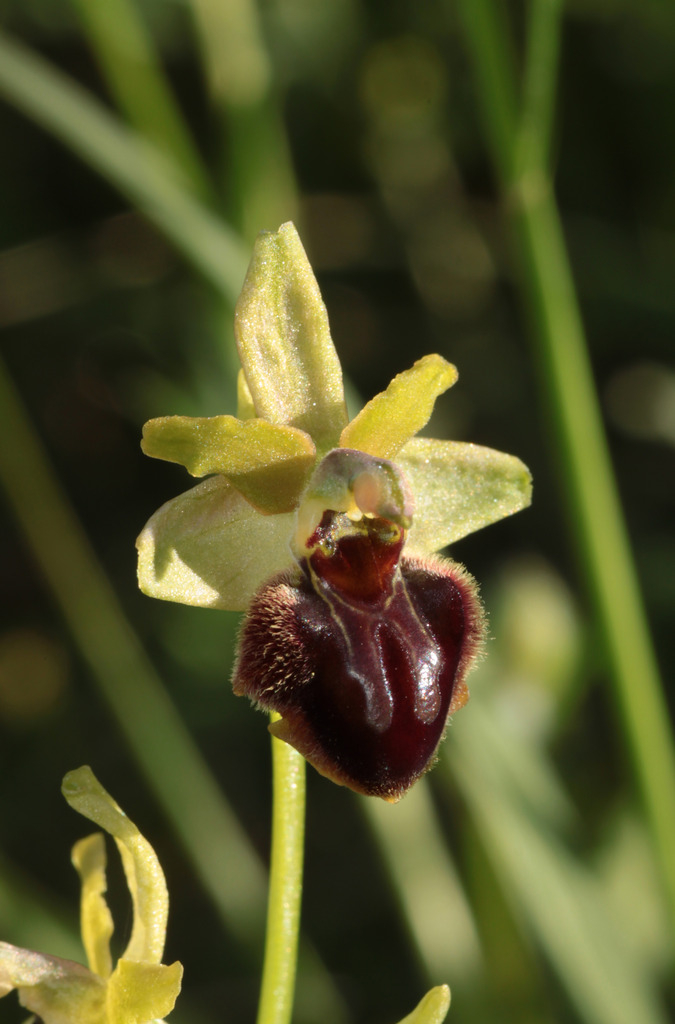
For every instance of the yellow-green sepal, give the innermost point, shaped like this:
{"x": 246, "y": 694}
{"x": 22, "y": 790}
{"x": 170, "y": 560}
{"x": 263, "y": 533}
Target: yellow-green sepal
{"x": 245, "y": 406}
{"x": 210, "y": 548}
{"x": 282, "y": 333}
{"x": 432, "y": 1008}
{"x": 460, "y": 488}
{"x": 141, "y": 993}
{"x": 392, "y": 418}
{"x": 268, "y": 463}
{"x": 58, "y": 991}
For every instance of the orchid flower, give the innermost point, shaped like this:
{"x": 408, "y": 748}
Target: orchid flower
{"x": 357, "y": 635}
{"x": 140, "y": 989}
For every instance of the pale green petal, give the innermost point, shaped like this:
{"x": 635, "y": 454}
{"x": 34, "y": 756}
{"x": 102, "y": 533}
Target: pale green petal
{"x": 209, "y": 547}
{"x": 96, "y": 921}
{"x": 58, "y": 991}
{"x": 140, "y": 993}
{"x": 460, "y": 488}
{"x": 267, "y": 463}
{"x": 284, "y": 341}
{"x": 391, "y": 418}
{"x": 144, "y": 875}
{"x": 245, "y": 406}
{"x": 432, "y": 1009}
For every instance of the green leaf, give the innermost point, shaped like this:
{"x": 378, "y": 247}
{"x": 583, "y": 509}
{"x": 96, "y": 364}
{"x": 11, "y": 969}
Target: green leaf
{"x": 209, "y": 547}
{"x": 460, "y": 488}
{"x": 268, "y": 463}
{"x": 432, "y": 1009}
{"x": 284, "y": 341}
{"x": 394, "y": 416}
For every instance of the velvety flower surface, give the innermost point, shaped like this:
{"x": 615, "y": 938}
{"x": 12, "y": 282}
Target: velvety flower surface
{"x": 139, "y": 989}
{"x": 325, "y": 530}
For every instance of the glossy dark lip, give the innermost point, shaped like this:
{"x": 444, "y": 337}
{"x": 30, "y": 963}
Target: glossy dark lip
{"x": 364, "y": 653}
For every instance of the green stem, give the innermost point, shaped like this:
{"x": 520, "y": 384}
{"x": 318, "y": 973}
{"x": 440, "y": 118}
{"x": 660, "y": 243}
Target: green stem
{"x": 569, "y": 392}
{"x": 285, "y": 888}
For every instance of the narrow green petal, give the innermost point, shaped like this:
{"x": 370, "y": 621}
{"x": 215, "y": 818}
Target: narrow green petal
{"x": 284, "y": 341}
{"x": 209, "y": 547}
{"x": 391, "y": 418}
{"x": 139, "y": 993}
{"x": 432, "y": 1009}
{"x": 58, "y": 991}
{"x": 267, "y": 463}
{"x": 96, "y": 921}
{"x": 144, "y": 875}
{"x": 460, "y": 488}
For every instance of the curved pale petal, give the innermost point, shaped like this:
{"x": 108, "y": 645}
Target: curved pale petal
{"x": 209, "y": 547}
{"x": 144, "y": 875}
{"x": 284, "y": 341}
{"x": 96, "y": 921}
{"x": 459, "y": 488}
{"x": 139, "y": 993}
{"x": 58, "y": 991}
{"x": 432, "y": 1009}
{"x": 267, "y": 463}
{"x": 394, "y": 416}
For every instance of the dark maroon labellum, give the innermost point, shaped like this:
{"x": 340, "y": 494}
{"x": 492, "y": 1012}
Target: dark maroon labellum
{"x": 363, "y": 652}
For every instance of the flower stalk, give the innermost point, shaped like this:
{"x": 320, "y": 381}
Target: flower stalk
{"x": 285, "y": 885}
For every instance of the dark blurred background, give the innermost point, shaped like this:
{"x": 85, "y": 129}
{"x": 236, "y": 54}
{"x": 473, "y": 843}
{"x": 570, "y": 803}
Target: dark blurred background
{"x": 104, "y": 325}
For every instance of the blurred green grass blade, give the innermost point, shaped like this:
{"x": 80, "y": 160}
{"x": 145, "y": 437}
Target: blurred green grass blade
{"x": 427, "y": 886}
{"x": 539, "y": 84}
{"x": 235, "y": 58}
{"x": 489, "y": 35}
{"x": 27, "y": 916}
{"x": 146, "y": 177}
{"x": 134, "y": 75}
{"x": 597, "y": 519}
{"x": 260, "y": 186}
{"x": 559, "y": 901}
{"x": 523, "y": 764}
{"x": 568, "y": 391}
{"x": 217, "y": 845}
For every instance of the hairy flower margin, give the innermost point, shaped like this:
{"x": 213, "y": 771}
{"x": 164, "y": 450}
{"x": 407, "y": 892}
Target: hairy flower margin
{"x": 140, "y": 989}
{"x": 325, "y": 530}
